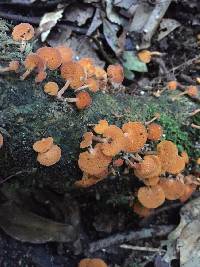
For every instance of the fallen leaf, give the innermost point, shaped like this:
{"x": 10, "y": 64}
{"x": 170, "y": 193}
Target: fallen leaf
{"x": 96, "y": 22}
{"x": 26, "y": 226}
{"x": 167, "y": 26}
{"x": 132, "y": 62}
{"x": 112, "y": 15}
{"x": 125, "y": 4}
{"x": 48, "y": 21}
{"x": 110, "y": 32}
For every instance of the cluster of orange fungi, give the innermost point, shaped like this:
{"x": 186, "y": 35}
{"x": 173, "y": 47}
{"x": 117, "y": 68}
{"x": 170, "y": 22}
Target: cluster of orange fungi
{"x": 48, "y": 153}
{"x": 95, "y": 262}
{"x": 108, "y": 147}
{"x": 77, "y": 75}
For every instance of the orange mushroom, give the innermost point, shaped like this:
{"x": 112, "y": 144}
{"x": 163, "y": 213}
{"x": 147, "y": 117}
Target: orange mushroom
{"x": 40, "y": 77}
{"x": 66, "y": 53}
{"x": 136, "y": 136}
{"x": 198, "y": 161}
{"x": 13, "y": 66}
{"x": 101, "y": 76}
{"x": 155, "y": 132}
{"x": 190, "y": 91}
{"x": 173, "y": 188}
{"x": 51, "y": 56}
{"x": 92, "y": 263}
{"x": 177, "y": 166}
{"x": 188, "y": 191}
{"x": 151, "y": 197}
{"x": 150, "y": 167}
{"x": 43, "y": 145}
{"x": 88, "y": 65}
{"x": 172, "y": 85}
{"x": 82, "y": 100}
{"x": 92, "y": 84}
{"x": 146, "y": 55}
{"x": 115, "y": 73}
{"x": 101, "y": 126}
{"x": 51, "y": 88}
{"x": 1, "y": 140}
{"x": 50, "y": 157}
{"x": 118, "y": 162}
{"x": 32, "y": 62}
{"x": 114, "y": 142}
{"x": 94, "y": 162}
{"x": 185, "y": 156}
{"x": 22, "y": 33}
{"x": 87, "y": 140}
{"x": 141, "y": 210}
{"x": 151, "y": 181}
{"x": 88, "y": 181}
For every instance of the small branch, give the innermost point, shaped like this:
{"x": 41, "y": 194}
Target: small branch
{"x": 159, "y": 230}
{"x": 15, "y": 174}
{"x": 125, "y": 246}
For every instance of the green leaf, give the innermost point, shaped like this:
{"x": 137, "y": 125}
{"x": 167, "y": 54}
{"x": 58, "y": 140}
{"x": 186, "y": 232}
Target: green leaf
{"x": 128, "y": 74}
{"x": 132, "y": 62}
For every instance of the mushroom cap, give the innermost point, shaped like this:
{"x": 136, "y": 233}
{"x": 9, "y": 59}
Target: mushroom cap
{"x": 151, "y": 181}
{"x": 155, "y": 131}
{"x": 116, "y": 141}
{"x": 14, "y": 65}
{"x": 51, "y": 88}
{"x": 118, "y": 162}
{"x": 185, "y": 156}
{"x": 88, "y": 65}
{"x": 173, "y": 189}
{"x": 101, "y": 76}
{"x": 73, "y": 72}
{"x": 144, "y": 56}
{"x": 23, "y": 32}
{"x": 172, "y": 85}
{"x": 177, "y": 166}
{"x": 151, "y": 197}
{"x": 92, "y": 263}
{"x": 51, "y": 56}
{"x": 150, "y": 167}
{"x": 87, "y": 182}
{"x": 84, "y": 100}
{"x": 192, "y": 90}
{"x": 141, "y": 210}
{"x": 93, "y": 84}
{"x": 33, "y": 61}
{"x": 115, "y": 73}
{"x": 136, "y": 136}
{"x": 1, "y": 140}
{"x": 50, "y": 157}
{"x": 40, "y": 77}
{"x": 66, "y": 53}
{"x": 189, "y": 189}
{"x": 167, "y": 152}
{"x": 43, "y": 145}
{"x": 87, "y": 140}
{"x": 101, "y": 126}
{"x": 94, "y": 162}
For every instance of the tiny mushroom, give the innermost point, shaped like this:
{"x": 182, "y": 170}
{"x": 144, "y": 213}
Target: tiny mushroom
{"x": 146, "y": 55}
{"x": 141, "y": 210}
{"x": 177, "y": 166}
{"x": 95, "y": 262}
{"x": 43, "y": 145}
{"x": 13, "y": 66}
{"x": 88, "y": 65}
{"x": 50, "y": 157}
{"x": 22, "y": 33}
{"x": 190, "y": 91}
{"x": 115, "y": 73}
{"x": 172, "y": 85}
{"x": 151, "y": 181}
{"x": 173, "y": 188}
{"x": 101, "y": 127}
{"x": 101, "y": 76}
{"x": 87, "y": 140}
{"x": 40, "y": 77}
{"x": 151, "y": 197}
{"x": 92, "y": 84}
{"x": 51, "y": 56}
{"x": 82, "y": 100}
{"x": 66, "y": 53}
{"x": 189, "y": 189}
{"x": 51, "y": 88}
{"x": 155, "y": 131}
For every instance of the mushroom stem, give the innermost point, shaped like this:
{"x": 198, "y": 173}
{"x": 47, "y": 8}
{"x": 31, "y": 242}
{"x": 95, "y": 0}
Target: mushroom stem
{"x": 179, "y": 95}
{"x": 195, "y": 126}
{"x": 62, "y": 91}
{"x": 70, "y": 100}
{"x": 4, "y": 69}
{"x": 156, "y": 53}
{"x": 136, "y": 157}
{"x": 194, "y": 112}
{"x": 26, "y": 74}
{"x": 156, "y": 116}
{"x": 22, "y": 46}
{"x": 82, "y": 87}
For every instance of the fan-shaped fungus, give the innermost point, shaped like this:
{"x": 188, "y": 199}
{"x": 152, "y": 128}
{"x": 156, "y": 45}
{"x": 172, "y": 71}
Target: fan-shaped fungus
{"x": 50, "y": 157}
{"x": 173, "y": 189}
{"x": 92, "y": 263}
{"x": 167, "y": 152}
{"x": 66, "y": 53}
{"x": 101, "y": 126}
{"x": 13, "y": 66}
{"x": 88, "y": 65}
{"x": 136, "y": 136}
{"x": 82, "y": 100}
{"x": 1, "y": 140}
{"x": 190, "y": 90}
{"x": 115, "y": 141}
{"x": 94, "y": 162}
{"x": 51, "y": 56}
{"x": 150, "y": 167}
{"x": 141, "y": 210}
{"x": 32, "y": 62}
{"x": 51, "y": 88}
{"x": 115, "y": 73}
{"x": 151, "y": 197}
{"x": 155, "y": 131}
{"x": 43, "y": 145}
{"x": 87, "y": 140}
{"x": 172, "y": 85}
{"x": 146, "y": 55}
{"x": 23, "y": 32}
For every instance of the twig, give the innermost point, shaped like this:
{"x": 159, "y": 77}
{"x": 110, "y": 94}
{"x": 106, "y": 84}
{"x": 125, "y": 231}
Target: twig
{"x": 187, "y": 63}
{"x": 15, "y": 174}
{"x": 195, "y": 126}
{"x": 159, "y": 230}
{"x": 125, "y": 246}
